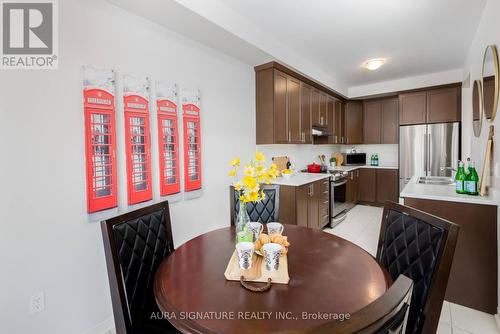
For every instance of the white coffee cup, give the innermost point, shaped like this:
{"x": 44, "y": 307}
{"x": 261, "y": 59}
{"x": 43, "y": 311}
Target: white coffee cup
{"x": 275, "y": 227}
{"x": 245, "y": 254}
{"x": 272, "y": 253}
{"x": 256, "y": 229}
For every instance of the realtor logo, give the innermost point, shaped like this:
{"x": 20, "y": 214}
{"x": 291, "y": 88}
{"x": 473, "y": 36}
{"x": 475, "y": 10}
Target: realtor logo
{"x": 29, "y": 35}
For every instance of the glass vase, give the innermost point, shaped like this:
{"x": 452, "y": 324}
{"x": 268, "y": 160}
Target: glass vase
{"x": 243, "y": 233}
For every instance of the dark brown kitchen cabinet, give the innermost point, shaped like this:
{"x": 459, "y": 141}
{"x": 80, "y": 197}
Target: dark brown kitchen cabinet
{"x": 444, "y": 105}
{"x": 338, "y": 120}
{"x": 306, "y": 205}
{"x": 330, "y": 113}
{"x": 286, "y": 109}
{"x": 387, "y": 185}
{"x": 315, "y": 108}
{"x": 430, "y": 106}
{"x": 323, "y": 113}
{"x": 305, "y": 113}
{"x": 353, "y": 123}
{"x": 352, "y": 187}
{"x": 372, "y": 117}
{"x": 293, "y": 106}
{"x": 279, "y": 115}
{"x": 390, "y": 122}
{"x": 280, "y": 108}
{"x": 324, "y": 202}
{"x": 412, "y": 108}
{"x": 367, "y": 185}
{"x": 380, "y": 121}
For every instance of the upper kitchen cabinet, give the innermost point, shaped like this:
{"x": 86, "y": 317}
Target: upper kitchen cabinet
{"x": 279, "y": 109}
{"x": 289, "y": 104}
{"x": 412, "y": 108}
{"x": 353, "y": 123}
{"x": 323, "y": 109}
{"x": 315, "y": 107}
{"x": 390, "y": 121}
{"x": 380, "y": 121}
{"x": 431, "y": 106}
{"x": 305, "y": 112}
{"x": 372, "y": 117}
{"x": 444, "y": 105}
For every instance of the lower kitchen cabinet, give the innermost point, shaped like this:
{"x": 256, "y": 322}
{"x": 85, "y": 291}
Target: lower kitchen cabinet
{"x": 307, "y": 205}
{"x": 352, "y": 188}
{"x": 367, "y": 185}
{"x": 377, "y": 185}
{"x": 387, "y": 185}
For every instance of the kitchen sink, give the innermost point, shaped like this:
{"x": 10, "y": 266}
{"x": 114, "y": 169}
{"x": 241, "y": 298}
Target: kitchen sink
{"x": 438, "y": 180}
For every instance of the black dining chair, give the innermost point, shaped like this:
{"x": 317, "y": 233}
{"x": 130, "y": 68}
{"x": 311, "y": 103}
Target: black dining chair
{"x": 421, "y": 246}
{"x": 135, "y": 244}
{"x": 386, "y": 315}
{"x": 264, "y": 211}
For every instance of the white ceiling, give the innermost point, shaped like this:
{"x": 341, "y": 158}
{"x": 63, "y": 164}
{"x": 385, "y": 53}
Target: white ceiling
{"x": 416, "y": 36}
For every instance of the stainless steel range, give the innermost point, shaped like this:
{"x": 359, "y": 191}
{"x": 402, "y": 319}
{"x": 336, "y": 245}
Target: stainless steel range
{"x": 338, "y": 197}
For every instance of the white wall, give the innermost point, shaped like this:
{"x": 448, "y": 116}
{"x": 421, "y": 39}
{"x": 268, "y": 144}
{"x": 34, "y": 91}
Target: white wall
{"x": 45, "y": 241}
{"x": 486, "y": 34}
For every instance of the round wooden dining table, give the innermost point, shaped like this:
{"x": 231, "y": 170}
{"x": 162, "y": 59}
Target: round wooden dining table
{"x": 330, "y": 278}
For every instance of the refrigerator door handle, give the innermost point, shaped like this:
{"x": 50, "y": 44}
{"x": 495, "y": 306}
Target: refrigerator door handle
{"x": 426, "y": 155}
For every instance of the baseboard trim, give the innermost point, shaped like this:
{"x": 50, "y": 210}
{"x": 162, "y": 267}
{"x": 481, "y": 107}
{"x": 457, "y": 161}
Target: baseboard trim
{"x": 105, "y": 327}
{"x": 497, "y": 318}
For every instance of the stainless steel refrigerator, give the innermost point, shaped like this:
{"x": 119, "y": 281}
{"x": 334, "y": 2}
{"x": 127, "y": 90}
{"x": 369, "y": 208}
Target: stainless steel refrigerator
{"x": 424, "y": 150}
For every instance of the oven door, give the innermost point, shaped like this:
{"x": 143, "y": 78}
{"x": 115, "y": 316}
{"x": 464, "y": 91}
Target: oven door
{"x": 338, "y": 197}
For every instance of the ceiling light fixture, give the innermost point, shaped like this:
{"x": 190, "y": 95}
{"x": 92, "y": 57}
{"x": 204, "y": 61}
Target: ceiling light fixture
{"x": 374, "y": 64}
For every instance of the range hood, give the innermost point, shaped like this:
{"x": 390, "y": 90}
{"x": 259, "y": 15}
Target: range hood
{"x": 320, "y": 131}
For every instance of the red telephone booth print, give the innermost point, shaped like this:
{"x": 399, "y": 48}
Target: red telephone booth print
{"x": 137, "y": 149}
{"x": 100, "y": 146}
{"x": 192, "y": 147}
{"x": 168, "y": 143}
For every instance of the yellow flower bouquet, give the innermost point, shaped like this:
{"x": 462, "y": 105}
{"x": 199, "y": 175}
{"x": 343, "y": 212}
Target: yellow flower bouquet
{"x": 249, "y": 189}
{"x": 255, "y": 173}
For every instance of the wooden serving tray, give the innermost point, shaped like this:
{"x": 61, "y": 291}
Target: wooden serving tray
{"x": 258, "y": 271}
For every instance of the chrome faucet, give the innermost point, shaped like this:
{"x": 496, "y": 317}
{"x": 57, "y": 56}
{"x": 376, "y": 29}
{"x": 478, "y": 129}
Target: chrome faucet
{"x": 448, "y": 168}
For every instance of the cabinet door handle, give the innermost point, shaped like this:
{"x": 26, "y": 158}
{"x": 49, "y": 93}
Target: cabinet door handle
{"x": 336, "y": 140}
{"x": 347, "y": 140}
{"x": 357, "y": 173}
{"x": 289, "y": 136}
{"x": 352, "y": 176}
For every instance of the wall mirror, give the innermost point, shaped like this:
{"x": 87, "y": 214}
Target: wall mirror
{"x": 490, "y": 82}
{"x": 477, "y": 108}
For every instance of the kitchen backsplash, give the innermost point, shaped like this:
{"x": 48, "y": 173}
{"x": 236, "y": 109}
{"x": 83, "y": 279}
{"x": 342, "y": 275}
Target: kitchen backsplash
{"x": 302, "y": 155}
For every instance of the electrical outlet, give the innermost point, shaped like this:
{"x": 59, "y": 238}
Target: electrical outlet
{"x": 37, "y": 302}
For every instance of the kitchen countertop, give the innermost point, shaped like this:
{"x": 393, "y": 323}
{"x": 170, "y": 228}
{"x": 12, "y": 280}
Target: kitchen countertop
{"x": 444, "y": 193}
{"x": 350, "y": 168}
{"x": 300, "y": 179}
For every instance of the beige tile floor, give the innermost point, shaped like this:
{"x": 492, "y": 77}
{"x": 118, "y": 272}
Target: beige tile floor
{"x": 362, "y": 227}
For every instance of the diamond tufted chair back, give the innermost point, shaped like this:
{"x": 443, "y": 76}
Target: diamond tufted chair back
{"x": 135, "y": 244}
{"x": 420, "y": 246}
{"x": 265, "y": 211}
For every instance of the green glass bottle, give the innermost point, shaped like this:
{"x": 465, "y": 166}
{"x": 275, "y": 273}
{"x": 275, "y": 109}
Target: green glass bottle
{"x": 460, "y": 179}
{"x": 472, "y": 181}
